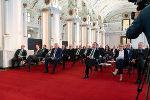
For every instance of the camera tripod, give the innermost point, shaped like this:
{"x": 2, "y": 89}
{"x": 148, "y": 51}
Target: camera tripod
{"x": 145, "y": 77}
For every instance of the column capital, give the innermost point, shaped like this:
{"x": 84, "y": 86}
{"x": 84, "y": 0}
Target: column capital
{"x": 55, "y": 10}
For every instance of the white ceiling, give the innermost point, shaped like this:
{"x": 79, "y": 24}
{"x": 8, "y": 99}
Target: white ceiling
{"x": 103, "y": 8}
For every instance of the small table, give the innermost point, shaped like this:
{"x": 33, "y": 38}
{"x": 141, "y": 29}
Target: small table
{"x": 105, "y": 64}
{"x": 112, "y": 62}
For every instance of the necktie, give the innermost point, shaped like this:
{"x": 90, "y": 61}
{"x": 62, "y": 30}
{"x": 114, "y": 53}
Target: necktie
{"x": 78, "y": 51}
{"x": 36, "y": 52}
{"x": 92, "y": 53}
{"x": 85, "y": 52}
{"x": 20, "y": 53}
{"x": 55, "y": 52}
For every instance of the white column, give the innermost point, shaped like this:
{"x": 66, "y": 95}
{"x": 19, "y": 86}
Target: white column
{"x": 101, "y": 38}
{"x": 80, "y": 36}
{"x": 97, "y": 36}
{"x": 89, "y": 35}
{"x": 69, "y": 31}
{"x": 84, "y": 35}
{"x": 104, "y": 38}
{"x": 14, "y": 35}
{"x": 55, "y": 25}
{"x": 1, "y": 24}
{"x": 25, "y": 25}
{"x": 45, "y": 28}
{"x": 93, "y": 35}
{"x": 76, "y": 32}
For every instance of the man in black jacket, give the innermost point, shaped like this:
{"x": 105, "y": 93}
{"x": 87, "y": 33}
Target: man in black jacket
{"x": 71, "y": 54}
{"x": 91, "y": 59}
{"x": 20, "y": 55}
{"x": 45, "y": 51}
{"x": 36, "y": 57}
{"x": 140, "y": 24}
{"x": 138, "y": 59}
{"x": 64, "y": 56}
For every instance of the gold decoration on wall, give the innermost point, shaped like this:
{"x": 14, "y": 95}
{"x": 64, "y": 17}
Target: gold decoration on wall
{"x": 44, "y": 9}
{"x": 61, "y": 18}
{"x": 84, "y": 19}
{"x": 25, "y": 36}
{"x": 71, "y": 12}
{"x": 6, "y": 34}
{"x": 83, "y": 3}
{"x": 47, "y": 2}
{"x": 6, "y": 0}
{"x": 39, "y": 18}
{"x": 24, "y": 5}
{"x": 94, "y": 24}
{"x": 76, "y": 12}
{"x": 51, "y": 15}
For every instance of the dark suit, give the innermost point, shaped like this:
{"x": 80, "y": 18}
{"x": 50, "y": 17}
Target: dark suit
{"x": 45, "y": 51}
{"x": 64, "y": 57}
{"x": 139, "y": 56}
{"x": 16, "y": 58}
{"x": 102, "y": 54}
{"x": 141, "y": 24}
{"x": 129, "y": 63}
{"x": 71, "y": 53}
{"x": 34, "y": 58}
{"x": 121, "y": 62}
{"x": 84, "y": 55}
{"x": 78, "y": 53}
{"x": 57, "y": 54}
{"x": 114, "y": 51}
{"x": 92, "y": 62}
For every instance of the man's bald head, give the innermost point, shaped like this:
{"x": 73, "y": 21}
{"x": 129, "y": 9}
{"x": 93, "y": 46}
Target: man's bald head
{"x": 56, "y": 45}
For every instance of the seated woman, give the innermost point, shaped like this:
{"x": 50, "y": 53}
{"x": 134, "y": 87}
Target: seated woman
{"x": 107, "y": 54}
{"x": 121, "y": 58}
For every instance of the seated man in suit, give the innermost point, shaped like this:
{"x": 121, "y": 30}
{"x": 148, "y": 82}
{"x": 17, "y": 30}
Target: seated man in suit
{"x": 64, "y": 55}
{"x": 91, "y": 59}
{"x": 139, "y": 57}
{"x": 45, "y": 51}
{"x": 20, "y": 55}
{"x": 85, "y": 53}
{"x": 71, "y": 54}
{"x": 35, "y": 57}
{"x": 77, "y": 52}
{"x": 101, "y": 56}
{"x": 49, "y": 51}
{"x": 54, "y": 57}
{"x": 130, "y": 52}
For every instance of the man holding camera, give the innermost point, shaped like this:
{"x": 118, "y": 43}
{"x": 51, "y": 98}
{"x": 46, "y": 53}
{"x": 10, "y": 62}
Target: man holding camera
{"x": 140, "y": 24}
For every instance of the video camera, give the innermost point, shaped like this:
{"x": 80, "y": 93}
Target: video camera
{"x": 141, "y": 4}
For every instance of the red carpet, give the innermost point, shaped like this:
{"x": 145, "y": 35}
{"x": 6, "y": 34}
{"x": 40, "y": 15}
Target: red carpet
{"x": 65, "y": 85}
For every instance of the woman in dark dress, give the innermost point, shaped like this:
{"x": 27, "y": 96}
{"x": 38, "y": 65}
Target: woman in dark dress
{"x": 108, "y": 54}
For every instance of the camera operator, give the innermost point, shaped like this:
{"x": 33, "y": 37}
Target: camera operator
{"x": 140, "y": 24}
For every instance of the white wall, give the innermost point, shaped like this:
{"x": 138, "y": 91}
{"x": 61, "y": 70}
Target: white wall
{"x": 113, "y": 39}
{"x": 141, "y": 38}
